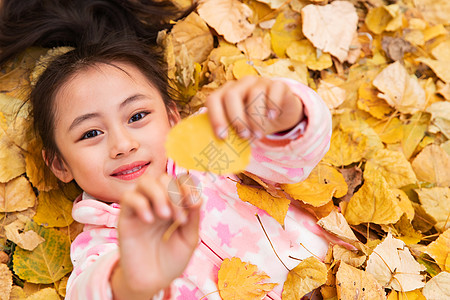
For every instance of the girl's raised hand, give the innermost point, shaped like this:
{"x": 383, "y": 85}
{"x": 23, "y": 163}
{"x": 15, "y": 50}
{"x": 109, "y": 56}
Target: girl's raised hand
{"x": 254, "y": 106}
{"x": 150, "y": 258}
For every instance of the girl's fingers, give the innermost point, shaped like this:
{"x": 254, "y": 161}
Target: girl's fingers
{"x": 256, "y": 110}
{"x": 156, "y": 194}
{"x": 235, "y": 113}
{"x": 135, "y": 204}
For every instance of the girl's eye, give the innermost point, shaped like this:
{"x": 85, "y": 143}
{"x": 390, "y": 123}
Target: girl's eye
{"x": 138, "y": 116}
{"x": 91, "y": 134}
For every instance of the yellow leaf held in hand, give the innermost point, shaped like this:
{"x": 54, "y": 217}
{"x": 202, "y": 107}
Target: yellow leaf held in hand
{"x": 322, "y": 184}
{"x": 331, "y": 27}
{"x": 16, "y": 195}
{"x": 400, "y": 90}
{"x": 353, "y": 283}
{"x": 242, "y": 280}
{"x": 305, "y": 277}
{"x": 393, "y": 266}
{"x": 192, "y": 144}
{"x": 49, "y": 262}
{"x": 393, "y": 166}
{"x": 228, "y": 18}
{"x": 276, "y": 207}
{"x": 438, "y": 287}
{"x": 439, "y": 250}
{"x": 432, "y": 165}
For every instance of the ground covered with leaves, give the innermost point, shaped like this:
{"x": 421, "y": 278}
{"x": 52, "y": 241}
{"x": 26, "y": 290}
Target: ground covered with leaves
{"x": 383, "y": 68}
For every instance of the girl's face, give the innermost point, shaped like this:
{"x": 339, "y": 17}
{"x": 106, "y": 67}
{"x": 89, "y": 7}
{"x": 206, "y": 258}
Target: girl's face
{"x": 110, "y": 130}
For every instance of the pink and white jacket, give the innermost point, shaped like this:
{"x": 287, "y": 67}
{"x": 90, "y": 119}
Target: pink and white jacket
{"x": 228, "y": 225}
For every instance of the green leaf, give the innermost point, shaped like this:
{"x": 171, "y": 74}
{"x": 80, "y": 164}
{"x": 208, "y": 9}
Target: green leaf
{"x": 49, "y": 262}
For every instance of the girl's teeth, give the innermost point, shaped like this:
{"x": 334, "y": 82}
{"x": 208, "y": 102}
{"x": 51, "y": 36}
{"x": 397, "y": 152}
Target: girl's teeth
{"x": 131, "y": 171}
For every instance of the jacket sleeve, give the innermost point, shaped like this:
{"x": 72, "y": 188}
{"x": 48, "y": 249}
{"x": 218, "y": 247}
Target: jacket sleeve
{"x": 290, "y": 157}
{"x": 94, "y": 254}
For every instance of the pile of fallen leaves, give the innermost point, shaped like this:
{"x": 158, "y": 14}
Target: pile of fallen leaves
{"x": 383, "y": 68}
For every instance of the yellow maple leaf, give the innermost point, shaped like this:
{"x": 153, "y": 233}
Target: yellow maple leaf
{"x": 242, "y": 280}
{"x": 432, "y": 164}
{"x": 285, "y": 30}
{"x": 228, "y": 18}
{"x": 439, "y": 250}
{"x": 352, "y": 282}
{"x": 438, "y": 287}
{"x": 305, "y": 277}
{"x": 392, "y": 264}
{"x": 193, "y": 145}
{"x": 331, "y": 27}
{"x": 393, "y": 166}
{"x": 16, "y": 195}
{"x": 322, "y": 184}
{"x": 276, "y": 207}
{"x": 400, "y": 90}
{"x": 374, "y": 202}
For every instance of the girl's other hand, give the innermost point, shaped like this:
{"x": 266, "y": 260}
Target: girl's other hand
{"x": 254, "y": 106}
{"x": 150, "y": 260}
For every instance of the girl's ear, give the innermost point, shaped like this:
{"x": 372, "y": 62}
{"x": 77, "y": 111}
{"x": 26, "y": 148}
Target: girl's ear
{"x": 58, "y": 168}
{"x": 174, "y": 115}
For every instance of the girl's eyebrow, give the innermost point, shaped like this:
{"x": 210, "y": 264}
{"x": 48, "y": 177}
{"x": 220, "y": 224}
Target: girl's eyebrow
{"x": 85, "y": 117}
{"x": 81, "y": 119}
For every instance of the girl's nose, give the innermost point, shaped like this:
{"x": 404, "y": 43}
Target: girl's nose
{"x": 122, "y": 143}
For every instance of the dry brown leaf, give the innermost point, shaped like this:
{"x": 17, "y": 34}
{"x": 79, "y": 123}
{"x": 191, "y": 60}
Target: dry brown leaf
{"x": 432, "y": 165}
{"x": 331, "y": 27}
{"x": 5, "y": 281}
{"x": 285, "y": 68}
{"x": 393, "y": 166}
{"x": 353, "y": 284}
{"x": 195, "y": 34}
{"x": 395, "y": 48}
{"x": 400, "y": 90}
{"x": 331, "y": 94}
{"x": 392, "y": 264}
{"x": 305, "y": 277}
{"x": 27, "y": 240}
{"x": 16, "y": 195}
{"x": 439, "y": 250}
{"x": 276, "y": 207}
{"x": 440, "y": 116}
{"x": 228, "y": 18}
{"x": 242, "y": 280}
{"x": 257, "y": 46}
{"x": 353, "y": 177}
{"x": 438, "y": 287}
{"x": 348, "y": 256}
{"x": 436, "y": 202}
{"x": 434, "y": 11}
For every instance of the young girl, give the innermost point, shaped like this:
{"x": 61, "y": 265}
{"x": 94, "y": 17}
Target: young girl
{"x": 103, "y": 111}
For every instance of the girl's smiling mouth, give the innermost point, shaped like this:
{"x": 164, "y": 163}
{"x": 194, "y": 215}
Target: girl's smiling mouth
{"x": 131, "y": 171}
